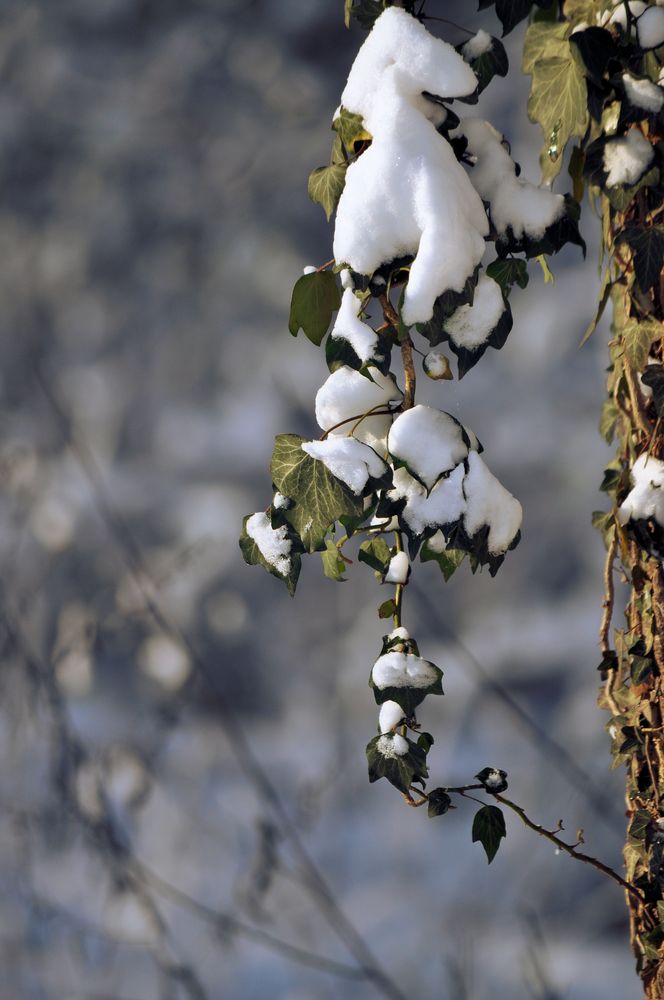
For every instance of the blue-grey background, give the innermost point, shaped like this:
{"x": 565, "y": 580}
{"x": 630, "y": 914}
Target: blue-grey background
{"x": 153, "y": 219}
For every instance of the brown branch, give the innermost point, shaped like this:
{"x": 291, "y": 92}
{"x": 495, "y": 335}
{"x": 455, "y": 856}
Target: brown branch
{"x": 607, "y": 615}
{"x": 392, "y": 317}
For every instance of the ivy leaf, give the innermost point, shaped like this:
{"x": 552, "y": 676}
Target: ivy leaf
{"x": 439, "y": 802}
{"x": 489, "y": 829}
{"x": 401, "y": 770}
{"x": 408, "y": 697}
{"x": 319, "y": 498}
{"x": 653, "y": 377}
{"x": 639, "y": 827}
{"x": 638, "y": 339}
{"x": 449, "y": 560}
{"x": 596, "y": 46}
{"x": 558, "y": 103}
{"x": 641, "y": 668}
{"x": 387, "y": 608}
{"x": 492, "y": 62}
{"x": 444, "y": 306}
{"x": 510, "y": 12}
{"x": 325, "y": 186}
{"x": 254, "y": 557}
{"x": 508, "y": 271}
{"x": 366, "y": 11}
{"x": 608, "y": 419}
{"x": 350, "y": 129}
{"x": 544, "y": 41}
{"x": 467, "y": 359}
{"x": 621, "y": 197}
{"x": 647, "y": 243}
{"x": 375, "y": 553}
{"x": 333, "y": 565}
{"x": 315, "y": 299}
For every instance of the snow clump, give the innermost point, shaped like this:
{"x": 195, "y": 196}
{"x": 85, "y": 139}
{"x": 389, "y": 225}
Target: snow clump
{"x": 407, "y": 193}
{"x": 643, "y": 93}
{"x": 428, "y": 441}
{"x": 650, "y": 28}
{"x": 400, "y": 670}
{"x": 346, "y": 394}
{"x": 348, "y": 326}
{"x": 398, "y": 569}
{"x": 392, "y": 745}
{"x": 515, "y": 203}
{"x": 273, "y": 543}
{"x": 349, "y": 460}
{"x": 489, "y": 504}
{"x": 646, "y": 499}
{"x": 471, "y": 325}
{"x": 477, "y": 45}
{"x": 445, "y": 504}
{"x": 626, "y": 160}
{"x": 390, "y": 715}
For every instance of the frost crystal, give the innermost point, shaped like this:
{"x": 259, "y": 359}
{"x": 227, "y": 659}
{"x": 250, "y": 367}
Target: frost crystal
{"x": 390, "y": 715}
{"x": 488, "y": 503}
{"x": 349, "y": 460}
{"x": 647, "y": 497}
{"x": 392, "y": 746}
{"x": 428, "y": 441}
{"x": 348, "y": 326}
{"x": 407, "y": 193}
{"x": 346, "y": 395}
{"x": 397, "y": 571}
{"x": 625, "y": 160}
{"x": 515, "y": 203}
{"x": 470, "y": 326}
{"x": 273, "y": 543}
{"x": 400, "y": 670}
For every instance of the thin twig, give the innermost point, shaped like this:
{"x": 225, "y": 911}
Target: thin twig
{"x": 607, "y": 615}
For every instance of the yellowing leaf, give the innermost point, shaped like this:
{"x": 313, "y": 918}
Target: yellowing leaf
{"x": 558, "y": 103}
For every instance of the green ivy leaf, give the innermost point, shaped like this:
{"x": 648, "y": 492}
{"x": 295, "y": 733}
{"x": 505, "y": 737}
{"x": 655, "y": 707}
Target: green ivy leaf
{"x": 638, "y": 337}
{"x": 325, "y": 186}
{"x": 639, "y": 827}
{"x": 400, "y": 771}
{"x": 425, "y": 741}
{"x": 489, "y": 829}
{"x": 333, "y": 565}
{"x": 254, "y": 557}
{"x": 558, "y": 99}
{"x": 439, "y": 802}
{"x": 315, "y": 299}
{"x": 622, "y": 197}
{"x": 387, "y": 608}
{"x": 510, "y": 12}
{"x": 544, "y": 41}
{"x": 319, "y": 498}
{"x": 647, "y": 243}
{"x": 449, "y": 560}
{"x": 375, "y": 553}
{"x": 408, "y": 697}
{"x": 350, "y": 129}
{"x": 508, "y": 271}
{"x": 653, "y": 377}
{"x": 366, "y": 11}
{"x": 608, "y": 419}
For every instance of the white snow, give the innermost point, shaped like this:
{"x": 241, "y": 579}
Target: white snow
{"x": 349, "y": 460}
{"x": 279, "y": 501}
{"x": 438, "y": 542}
{"x": 428, "y": 441}
{"x": 346, "y": 278}
{"x": 444, "y": 504}
{"x": 646, "y": 499}
{"x": 273, "y": 543}
{"x": 390, "y": 715}
{"x": 643, "y": 93}
{"x": 514, "y": 202}
{"x": 346, "y": 394}
{"x": 470, "y": 325}
{"x": 399, "y": 633}
{"x": 626, "y": 159}
{"x": 398, "y": 670}
{"x": 348, "y": 326}
{"x": 494, "y": 779}
{"x": 407, "y": 193}
{"x": 650, "y": 28}
{"x": 436, "y": 365}
{"x": 309, "y": 269}
{"x": 619, "y": 16}
{"x": 489, "y": 503}
{"x": 392, "y": 746}
{"x": 477, "y": 45}
{"x": 398, "y": 569}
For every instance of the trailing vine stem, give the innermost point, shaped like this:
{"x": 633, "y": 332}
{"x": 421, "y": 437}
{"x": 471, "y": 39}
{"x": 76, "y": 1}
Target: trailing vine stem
{"x": 552, "y": 835}
{"x": 410, "y": 379}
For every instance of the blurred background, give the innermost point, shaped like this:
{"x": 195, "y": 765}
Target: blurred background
{"x": 185, "y": 810}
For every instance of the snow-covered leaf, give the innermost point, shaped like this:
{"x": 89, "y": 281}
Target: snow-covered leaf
{"x": 315, "y": 299}
{"x": 325, "y": 186}
{"x": 285, "y": 568}
{"x": 647, "y": 243}
{"x": 487, "y": 58}
{"x": 489, "y": 829}
{"x": 449, "y": 560}
{"x": 405, "y": 678}
{"x": 319, "y": 498}
{"x": 400, "y": 768}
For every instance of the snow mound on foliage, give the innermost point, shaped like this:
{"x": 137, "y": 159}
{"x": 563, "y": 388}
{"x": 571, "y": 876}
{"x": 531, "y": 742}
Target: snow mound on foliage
{"x": 273, "y": 543}
{"x": 643, "y": 93}
{"x": 650, "y": 28}
{"x": 646, "y": 499}
{"x": 428, "y": 441}
{"x": 626, "y": 159}
{"x": 390, "y": 715}
{"x": 392, "y": 745}
{"x": 471, "y": 325}
{"x": 348, "y": 326}
{"x": 407, "y": 193}
{"x": 444, "y": 505}
{"x": 346, "y": 395}
{"x": 477, "y": 45}
{"x": 398, "y": 569}
{"x": 489, "y": 504}
{"x": 515, "y": 203}
{"x": 398, "y": 670}
{"x": 349, "y": 460}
